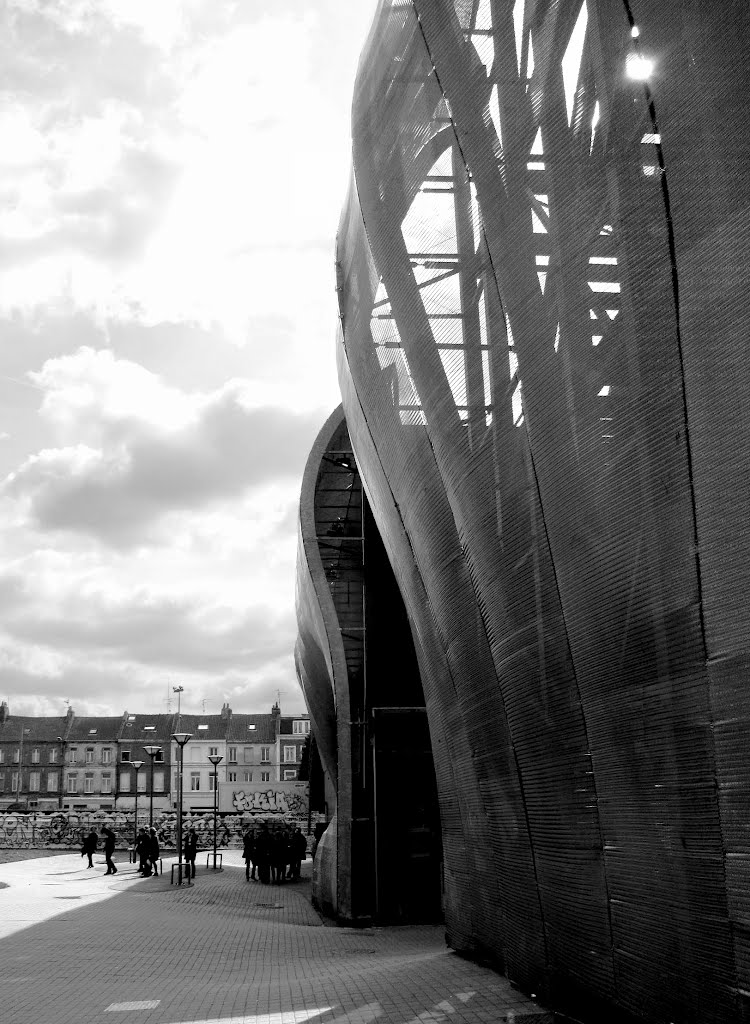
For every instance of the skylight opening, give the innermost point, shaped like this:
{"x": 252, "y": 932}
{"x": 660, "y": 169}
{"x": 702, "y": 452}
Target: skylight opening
{"x": 251, "y": 727}
{"x": 604, "y": 391}
{"x": 596, "y": 339}
{"x": 92, "y": 732}
{"x": 571, "y": 62}
{"x": 606, "y": 260}
{"x": 594, "y": 123}
{"x": 604, "y": 286}
{"x": 203, "y": 727}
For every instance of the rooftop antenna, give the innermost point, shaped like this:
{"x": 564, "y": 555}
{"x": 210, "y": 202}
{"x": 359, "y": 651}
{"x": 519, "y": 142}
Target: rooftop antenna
{"x": 278, "y": 697}
{"x": 203, "y": 702}
{"x": 178, "y": 690}
{"x": 169, "y": 701}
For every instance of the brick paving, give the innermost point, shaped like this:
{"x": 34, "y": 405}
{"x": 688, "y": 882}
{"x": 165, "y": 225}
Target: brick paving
{"x": 77, "y": 947}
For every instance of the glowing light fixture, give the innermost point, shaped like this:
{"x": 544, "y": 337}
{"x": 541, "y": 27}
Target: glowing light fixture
{"x": 638, "y": 67}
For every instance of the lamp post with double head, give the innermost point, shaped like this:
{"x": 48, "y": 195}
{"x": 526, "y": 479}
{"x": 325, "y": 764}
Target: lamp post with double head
{"x": 152, "y": 751}
{"x": 215, "y": 759}
{"x": 180, "y": 738}
{"x": 137, "y": 765}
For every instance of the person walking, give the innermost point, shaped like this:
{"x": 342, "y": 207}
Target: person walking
{"x": 153, "y": 852}
{"x": 90, "y": 843}
{"x": 248, "y": 854}
{"x": 190, "y": 852}
{"x": 109, "y": 849}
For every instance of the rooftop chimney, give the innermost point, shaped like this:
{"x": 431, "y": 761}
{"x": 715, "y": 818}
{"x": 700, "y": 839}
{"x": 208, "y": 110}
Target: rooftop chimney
{"x": 226, "y": 711}
{"x": 4, "y": 712}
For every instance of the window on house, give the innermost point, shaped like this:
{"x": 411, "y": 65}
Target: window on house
{"x": 72, "y": 782}
{"x": 289, "y": 775}
{"x": 265, "y": 776}
{"x": 51, "y": 782}
{"x": 213, "y": 751}
{"x": 14, "y": 782}
{"x": 141, "y": 776}
{"x": 35, "y": 779}
{"x": 2, "y": 781}
{"x": 88, "y": 783}
{"x": 247, "y": 755}
{"x": 213, "y": 779}
{"x": 247, "y": 776}
{"x": 2, "y": 756}
{"x": 16, "y": 756}
{"x": 73, "y": 755}
{"x": 124, "y": 782}
{"x": 125, "y": 755}
{"x": 233, "y": 755}
{"x": 106, "y": 783}
{"x": 290, "y": 754}
{"x": 53, "y": 752}
{"x": 89, "y": 755}
{"x": 159, "y": 781}
{"x": 35, "y": 755}
{"x": 265, "y": 753}
{"x": 232, "y": 776}
{"x": 301, "y": 727}
{"x": 106, "y": 755}
{"x": 195, "y": 781}
{"x": 159, "y": 755}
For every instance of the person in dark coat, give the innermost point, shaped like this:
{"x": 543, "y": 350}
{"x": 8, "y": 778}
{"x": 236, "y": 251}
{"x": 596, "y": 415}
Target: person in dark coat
{"x": 248, "y": 854}
{"x": 153, "y": 852}
{"x": 141, "y": 849}
{"x": 297, "y": 853}
{"x": 263, "y": 848}
{"x": 90, "y": 843}
{"x": 190, "y": 852}
{"x": 109, "y": 849}
{"x": 279, "y": 856}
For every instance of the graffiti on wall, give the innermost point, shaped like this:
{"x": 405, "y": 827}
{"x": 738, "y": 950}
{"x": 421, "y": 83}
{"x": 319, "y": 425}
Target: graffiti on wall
{"x": 66, "y": 829}
{"x": 270, "y": 801}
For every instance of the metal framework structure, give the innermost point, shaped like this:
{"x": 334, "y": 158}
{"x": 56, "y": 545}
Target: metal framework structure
{"x": 543, "y": 363}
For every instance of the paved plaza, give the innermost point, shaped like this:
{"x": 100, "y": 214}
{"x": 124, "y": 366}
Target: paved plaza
{"x": 78, "y": 947}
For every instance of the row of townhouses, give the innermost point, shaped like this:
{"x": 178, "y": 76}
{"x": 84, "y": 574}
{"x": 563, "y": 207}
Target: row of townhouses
{"x": 83, "y": 763}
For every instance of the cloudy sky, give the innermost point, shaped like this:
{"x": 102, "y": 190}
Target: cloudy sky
{"x": 171, "y": 176}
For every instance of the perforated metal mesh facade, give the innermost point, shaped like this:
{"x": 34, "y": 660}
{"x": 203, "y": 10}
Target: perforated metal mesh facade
{"x": 544, "y": 368}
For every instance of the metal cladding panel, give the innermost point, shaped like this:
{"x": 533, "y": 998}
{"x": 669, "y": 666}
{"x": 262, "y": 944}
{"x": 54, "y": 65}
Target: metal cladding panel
{"x": 537, "y": 405}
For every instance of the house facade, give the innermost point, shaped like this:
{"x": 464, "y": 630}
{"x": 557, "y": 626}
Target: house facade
{"x": 31, "y": 760}
{"x": 144, "y": 758}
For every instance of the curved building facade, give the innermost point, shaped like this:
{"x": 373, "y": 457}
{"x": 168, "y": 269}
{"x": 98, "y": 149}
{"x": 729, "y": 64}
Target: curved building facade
{"x": 543, "y": 362}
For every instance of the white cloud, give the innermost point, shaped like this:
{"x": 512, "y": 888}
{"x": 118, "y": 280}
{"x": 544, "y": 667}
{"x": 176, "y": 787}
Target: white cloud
{"x": 171, "y": 181}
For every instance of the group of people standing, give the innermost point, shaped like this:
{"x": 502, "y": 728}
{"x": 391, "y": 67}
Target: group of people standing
{"x": 148, "y": 852}
{"x": 276, "y": 856}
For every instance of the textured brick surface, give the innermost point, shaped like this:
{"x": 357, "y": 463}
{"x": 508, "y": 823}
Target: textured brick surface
{"x": 75, "y": 944}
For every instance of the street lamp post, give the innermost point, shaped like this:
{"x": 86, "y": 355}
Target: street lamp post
{"x": 137, "y": 765}
{"x": 180, "y": 738}
{"x": 63, "y": 744}
{"x": 19, "y": 777}
{"x": 152, "y": 751}
{"x": 214, "y": 759}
